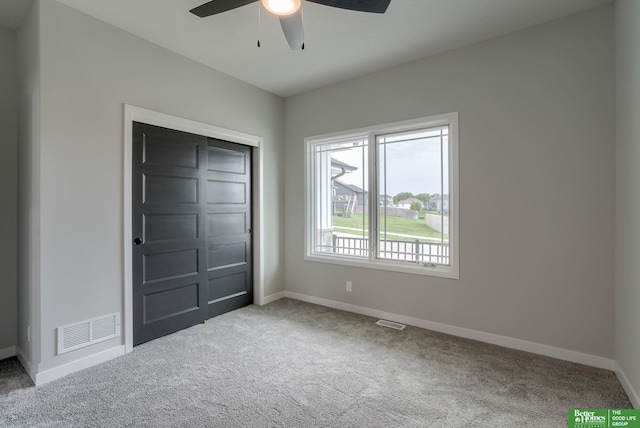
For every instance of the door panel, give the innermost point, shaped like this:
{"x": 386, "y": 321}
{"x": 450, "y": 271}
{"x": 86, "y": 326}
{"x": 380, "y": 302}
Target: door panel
{"x": 166, "y": 151}
{"x": 226, "y": 192}
{"x": 229, "y": 226}
{"x": 169, "y": 264}
{"x": 192, "y": 215}
{"x": 164, "y": 304}
{"x": 170, "y": 190}
{"x": 224, "y": 256}
{"x": 224, "y": 160}
{"x": 227, "y": 285}
{"x": 169, "y": 227}
{"x": 221, "y": 224}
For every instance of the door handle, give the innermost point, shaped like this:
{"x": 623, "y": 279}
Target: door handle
{"x": 137, "y": 241}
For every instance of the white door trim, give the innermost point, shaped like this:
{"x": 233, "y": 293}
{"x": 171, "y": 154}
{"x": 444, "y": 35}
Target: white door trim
{"x": 138, "y": 114}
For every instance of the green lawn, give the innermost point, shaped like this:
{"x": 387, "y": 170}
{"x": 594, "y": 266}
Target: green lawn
{"x": 394, "y": 225}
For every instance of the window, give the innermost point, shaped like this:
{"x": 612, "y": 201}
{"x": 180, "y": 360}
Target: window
{"x": 386, "y": 197}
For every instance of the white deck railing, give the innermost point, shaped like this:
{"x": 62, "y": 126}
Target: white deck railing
{"x": 416, "y": 251}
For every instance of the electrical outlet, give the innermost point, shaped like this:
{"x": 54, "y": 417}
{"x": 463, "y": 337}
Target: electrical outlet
{"x": 349, "y": 285}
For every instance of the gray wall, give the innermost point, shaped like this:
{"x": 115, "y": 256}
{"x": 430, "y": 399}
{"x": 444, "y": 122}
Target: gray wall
{"x": 536, "y": 127}
{"x": 88, "y": 69}
{"x": 628, "y": 193}
{"x": 28, "y": 188}
{"x": 8, "y": 189}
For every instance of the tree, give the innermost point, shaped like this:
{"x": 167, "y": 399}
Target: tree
{"x": 402, "y": 196}
{"x": 416, "y": 206}
{"x": 424, "y": 197}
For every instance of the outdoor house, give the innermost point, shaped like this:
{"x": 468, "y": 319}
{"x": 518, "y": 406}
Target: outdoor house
{"x": 349, "y": 199}
{"x": 439, "y": 203}
{"x": 408, "y": 203}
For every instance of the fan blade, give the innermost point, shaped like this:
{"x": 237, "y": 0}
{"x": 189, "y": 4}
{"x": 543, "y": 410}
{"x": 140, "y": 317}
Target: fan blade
{"x": 292, "y": 28}
{"x": 372, "y": 6}
{"x": 218, "y": 6}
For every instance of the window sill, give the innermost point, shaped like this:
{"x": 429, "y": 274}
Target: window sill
{"x": 439, "y": 271}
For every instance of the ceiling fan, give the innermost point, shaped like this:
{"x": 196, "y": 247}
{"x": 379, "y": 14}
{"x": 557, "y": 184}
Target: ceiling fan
{"x": 290, "y": 13}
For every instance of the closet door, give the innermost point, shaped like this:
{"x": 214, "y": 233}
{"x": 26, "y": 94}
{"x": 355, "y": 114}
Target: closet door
{"x": 191, "y": 229}
{"x": 229, "y": 243}
{"x": 169, "y": 247}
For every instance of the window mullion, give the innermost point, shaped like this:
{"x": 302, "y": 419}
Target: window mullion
{"x": 374, "y": 208}
{"x": 442, "y": 189}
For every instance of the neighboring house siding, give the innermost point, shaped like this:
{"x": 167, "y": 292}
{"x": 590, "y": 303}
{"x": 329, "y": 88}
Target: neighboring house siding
{"x": 406, "y": 203}
{"x": 344, "y": 191}
{"x": 437, "y": 204}
{"x": 386, "y": 200}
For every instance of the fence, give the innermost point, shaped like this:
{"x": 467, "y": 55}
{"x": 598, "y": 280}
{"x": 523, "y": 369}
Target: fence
{"x": 416, "y": 251}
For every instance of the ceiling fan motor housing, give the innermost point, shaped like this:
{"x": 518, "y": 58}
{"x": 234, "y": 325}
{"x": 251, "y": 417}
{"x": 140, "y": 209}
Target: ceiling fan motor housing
{"x": 290, "y": 12}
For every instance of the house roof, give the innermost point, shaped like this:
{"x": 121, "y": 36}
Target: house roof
{"x": 351, "y": 187}
{"x": 335, "y": 163}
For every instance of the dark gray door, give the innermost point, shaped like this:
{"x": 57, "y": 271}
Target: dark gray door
{"x": 229, "y": 226}
{"x": 181, "y": 259}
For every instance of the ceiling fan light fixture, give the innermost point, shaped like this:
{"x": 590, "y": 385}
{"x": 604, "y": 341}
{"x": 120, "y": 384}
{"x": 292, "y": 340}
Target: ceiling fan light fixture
{"x": 282, "y": 7}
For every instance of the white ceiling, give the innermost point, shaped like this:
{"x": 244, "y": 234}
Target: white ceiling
{"x": 340, "y": 44}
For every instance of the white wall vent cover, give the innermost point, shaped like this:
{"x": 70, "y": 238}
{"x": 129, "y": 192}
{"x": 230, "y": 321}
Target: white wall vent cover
{"x": 391, "y": 324}
{"x": 85, "y": 333}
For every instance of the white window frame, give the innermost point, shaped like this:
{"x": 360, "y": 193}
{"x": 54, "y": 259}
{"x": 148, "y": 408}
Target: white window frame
{"x": 452, "y": 270}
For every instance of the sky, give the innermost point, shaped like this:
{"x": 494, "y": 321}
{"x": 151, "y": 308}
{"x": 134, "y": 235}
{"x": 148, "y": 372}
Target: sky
{"x": 411, "y": 166}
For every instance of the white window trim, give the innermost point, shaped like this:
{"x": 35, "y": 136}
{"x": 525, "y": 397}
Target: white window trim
{"x": 452, "y": 271}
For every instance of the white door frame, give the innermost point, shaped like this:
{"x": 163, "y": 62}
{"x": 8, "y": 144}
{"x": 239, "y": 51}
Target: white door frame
{"x": 138, "y": 114}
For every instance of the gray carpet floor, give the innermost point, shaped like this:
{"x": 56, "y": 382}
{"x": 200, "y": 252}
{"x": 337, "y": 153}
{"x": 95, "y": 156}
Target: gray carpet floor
{"x": 293, "y": 364}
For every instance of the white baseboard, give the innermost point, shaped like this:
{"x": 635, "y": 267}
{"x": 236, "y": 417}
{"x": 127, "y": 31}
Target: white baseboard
{"x": 508, "y": 342}
{"x": 74, "y": 366}
{"x": 7, "y": 352}
{"x": 631, "y": 392}
{"x": 272, "y": 298}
